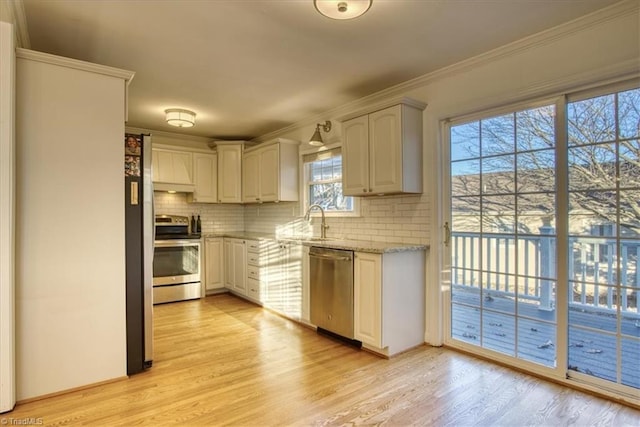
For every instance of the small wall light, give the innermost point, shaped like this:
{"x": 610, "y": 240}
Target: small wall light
{"x": 180, "y": 118}
{"x": 316, "y": 139}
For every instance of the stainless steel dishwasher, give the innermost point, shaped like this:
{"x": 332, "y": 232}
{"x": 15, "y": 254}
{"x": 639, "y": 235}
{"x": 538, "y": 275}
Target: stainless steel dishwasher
{"x": 331, "y": 283}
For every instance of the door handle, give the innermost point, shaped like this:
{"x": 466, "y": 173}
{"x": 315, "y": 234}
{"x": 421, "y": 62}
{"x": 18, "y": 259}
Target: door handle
{"x": 447, "y": 234}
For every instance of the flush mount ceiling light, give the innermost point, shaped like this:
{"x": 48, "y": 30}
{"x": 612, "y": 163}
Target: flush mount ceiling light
{"x": 316, "y": 139}
{"x": 342, "y": 9}
{"x": 180, "y": 118}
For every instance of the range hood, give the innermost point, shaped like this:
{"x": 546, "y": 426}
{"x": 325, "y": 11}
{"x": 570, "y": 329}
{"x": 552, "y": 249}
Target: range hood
{"x": 178, "y": 188}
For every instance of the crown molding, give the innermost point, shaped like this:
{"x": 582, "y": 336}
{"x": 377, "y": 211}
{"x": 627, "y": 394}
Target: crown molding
{"x": 621, "y": 9}
{"x": 170, "y": 135}
{"x": 75, "y": 64}
{"x": 18, "y": 17}
{"x": 386, "y": 103}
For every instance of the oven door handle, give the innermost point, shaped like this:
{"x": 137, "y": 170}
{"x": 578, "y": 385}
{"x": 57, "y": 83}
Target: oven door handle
{"x": 177, "y": 243}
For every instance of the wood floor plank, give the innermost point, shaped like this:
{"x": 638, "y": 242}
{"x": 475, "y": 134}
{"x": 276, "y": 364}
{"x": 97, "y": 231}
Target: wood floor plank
{"x": 223, "y": 361}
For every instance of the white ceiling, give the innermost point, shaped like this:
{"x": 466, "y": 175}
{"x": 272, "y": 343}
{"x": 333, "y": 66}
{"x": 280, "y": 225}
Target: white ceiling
{"x": 249, "y": 67}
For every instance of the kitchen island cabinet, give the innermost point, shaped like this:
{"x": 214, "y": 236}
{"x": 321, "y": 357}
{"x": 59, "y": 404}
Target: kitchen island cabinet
{"x": 389, "y": 305}
{"x": 382, "y": 150}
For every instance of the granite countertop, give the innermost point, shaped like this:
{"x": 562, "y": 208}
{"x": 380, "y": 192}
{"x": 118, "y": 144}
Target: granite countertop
{"x": 364, "y": 245}
{"x": 351, "y": 245}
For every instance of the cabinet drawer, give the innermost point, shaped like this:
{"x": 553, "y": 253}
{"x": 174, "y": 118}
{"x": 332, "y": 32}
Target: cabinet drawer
{"x": 253, "y": 289}
{"x": 253, "y": 272}
{"x": 253, "y": 246}
{"x": 253, "y": 258}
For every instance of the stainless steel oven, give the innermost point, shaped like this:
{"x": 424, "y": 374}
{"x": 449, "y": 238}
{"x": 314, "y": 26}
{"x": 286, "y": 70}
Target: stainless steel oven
{"x": 176, "y": 262}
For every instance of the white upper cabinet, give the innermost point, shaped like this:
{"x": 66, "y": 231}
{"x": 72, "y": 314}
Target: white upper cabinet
{"x": 382, "y": 150}
{"x": 269, "y": 167}
{"x": 355, "y": 148}
{"x": 270, "y": 172}
{"x": 205, "y": 173}
{"x": 250, "y": 177}
{"x": 229, "y": 172}
{"x": 172, "y": 167}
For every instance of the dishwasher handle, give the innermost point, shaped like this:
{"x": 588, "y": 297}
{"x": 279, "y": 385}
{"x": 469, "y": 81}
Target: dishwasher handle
{"x": 331, "y": 257}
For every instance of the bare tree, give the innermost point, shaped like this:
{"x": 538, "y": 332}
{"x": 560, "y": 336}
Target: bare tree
{"x": 505, "y": 166}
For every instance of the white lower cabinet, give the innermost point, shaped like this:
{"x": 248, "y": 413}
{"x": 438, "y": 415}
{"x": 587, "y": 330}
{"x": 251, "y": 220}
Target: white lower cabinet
{"x": 257, "y": 262}
{"x": 213, "y": 266}
{"x": 367, "y": 304}
{"x": 306, "y": 290}
{"x": 283, "y": 292}
{"x": 235, "y": 266}
{"x": 389, "y": 305}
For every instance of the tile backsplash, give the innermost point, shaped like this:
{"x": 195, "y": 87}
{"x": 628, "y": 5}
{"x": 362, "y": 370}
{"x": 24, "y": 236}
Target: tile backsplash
{"x": 400, "y": 219}
{"x": 215, "y": 218}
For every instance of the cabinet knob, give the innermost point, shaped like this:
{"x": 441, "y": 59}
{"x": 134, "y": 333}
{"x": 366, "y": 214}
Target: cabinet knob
{"x": 364, "y": 190}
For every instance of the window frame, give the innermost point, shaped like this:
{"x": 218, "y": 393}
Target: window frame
{"x": 304, "y": 184}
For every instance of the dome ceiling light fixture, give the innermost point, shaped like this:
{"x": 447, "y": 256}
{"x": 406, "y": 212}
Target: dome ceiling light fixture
{"x": 180, "y": 118}
{"x": 342, "y": 9}
{"x": 316, "y": 138}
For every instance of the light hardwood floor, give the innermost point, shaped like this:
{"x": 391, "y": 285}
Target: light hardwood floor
{"x": 223, "y": 361}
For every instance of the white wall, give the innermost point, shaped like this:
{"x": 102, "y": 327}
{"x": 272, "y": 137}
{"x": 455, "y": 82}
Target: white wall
{"x": 591, "y": 50}
{"x": 70, "y": 252}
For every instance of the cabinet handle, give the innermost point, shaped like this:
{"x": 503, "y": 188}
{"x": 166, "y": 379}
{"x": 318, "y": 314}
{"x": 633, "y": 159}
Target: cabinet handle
{"x": 364, "y": 190}
{"x": 257, "y": 198}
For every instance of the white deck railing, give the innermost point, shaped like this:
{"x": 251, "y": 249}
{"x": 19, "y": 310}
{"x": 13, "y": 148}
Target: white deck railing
{"x": 525, "y": 266}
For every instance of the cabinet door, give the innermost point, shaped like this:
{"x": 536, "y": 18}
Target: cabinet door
{"x": 239, "y": 267}
{"x": 250, "y": 177}
{"x": 205, "y": 174}
{"x": 385, "y": 150}
{"x": 228, "y": 263}
{"x": 355, "y": 157}
{"x": 213, "y": 264}
{"x": 367, "y": 303}
{"x": 269, "y": 173}
{"x": 230, "y": 174}
{"x": 294, "y": 280}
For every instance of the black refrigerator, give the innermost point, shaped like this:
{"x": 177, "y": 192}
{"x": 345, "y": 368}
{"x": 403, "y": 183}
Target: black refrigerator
{"x": 139, "y": 231}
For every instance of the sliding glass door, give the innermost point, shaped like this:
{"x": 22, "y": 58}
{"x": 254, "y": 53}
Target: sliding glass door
{"x": 503, "y": 234}
{"x": 545, "y": 202}
{"x": 604, "y": 236}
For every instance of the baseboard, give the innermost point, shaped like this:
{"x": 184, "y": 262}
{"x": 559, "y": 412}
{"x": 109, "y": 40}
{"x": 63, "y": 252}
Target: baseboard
{"x": 70, "y": 390}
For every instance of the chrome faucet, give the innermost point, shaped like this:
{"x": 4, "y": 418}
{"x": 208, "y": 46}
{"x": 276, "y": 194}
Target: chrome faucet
{"x": 323, "y": 226}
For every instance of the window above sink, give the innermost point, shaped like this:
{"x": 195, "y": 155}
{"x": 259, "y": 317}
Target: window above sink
{"x": 322, "y": 184}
